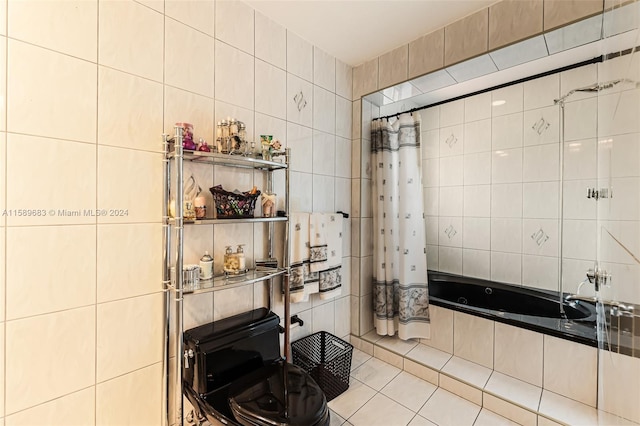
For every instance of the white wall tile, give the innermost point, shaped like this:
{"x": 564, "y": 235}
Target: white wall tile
{"x": 324, "y": 146}
{"x": 506, "y": 166}
{"x": 77, "y": 408}
{"x": 477, "y": 200}
{"x": 473, "y": 339}
{"x": 476, "y": 263}
{"x": 451, "y": 140}
{"x": 542, "y": 126}
{"x": 451, "y": 170}
{"x": 299, "y": 101}
{"x": 181, "y": 106}
{"x": 129, "y": 335}
{"x": 65, "y": 277}
{"x": 234, "y": 75}
{"x": 581, "y": 119}
{"x": 2, "y": 273}
{"x": 505, "y": 235}
{"x": 450, "y": 260}
{"x": 188, "y": 58}
{"x": 477, "y": 136}
{"x": 323, "y": 193}
{"x": 324, "y": 70}
{"x": 123, "y": 46}
{"x": 570, "y": 369}
{"x": 3, "y": 162}
{"x": 65, "y": 26}
{"x": 232, "y": 301}
{"x": 579, "y": 239}
{"x": 506, "y": 267}
{"x": 541, "y": 163}
{"x": 477, "y": 107}
{"x": 130, "y": 111}
{"x": 344, "y": 80}
{"x": 431, "y": 172}
{"x": 235, "y": 25}
{"x": 299, "y": 57}
{"x": 620, "y": 392}
{"x": 576, "y": 203}
{"x": 430, "y": 118}
{"x": 301, "y": 197}
{"x": 343, "y": 117}
{"x": 125, "y": 193}
{"x": 441, "y": 329}
{"x": 540, "y": 272}
{"x": 541, "y": 92}
{"x": 540, "y": 200}
{"x": 432, "y": 257}
{"x": 136, "y": 250}
{"x": 580, "y": 159}
{"x": 63, "y": 361}
{"x": 324, "y": 318}
{"x": 452, "y": 113}
{"x": 450, "y": 231}
{"x": 52, "y": 87}
{"x": 271, "y": 41}
{"x": 476, "y": 233}
{"x": 137, "y": 395}
{"x": 299, "y": 139}
{"x": 540, "y": 237}
{"x": 271, "y": 90}
{"x": 506, "y": 200}
{"x": 432, "y": 201}
{"x": 198, "y": 14}
{"x": 324, "y": 110}
{"x": 623, "y": 156}
{"x": 198, "y": 309}
{"x": 618, "y": 113}
{"x": 432, "y": 229}
{"x": 343, "y": 158}
{"x": 518, "y": 353}
{"x": 512, "y": 97}
{"x": 506, "y": 131}
{"x": 451, "y": 199}
{"x": 53, "y": 180}
{"x": 477, "y": 168}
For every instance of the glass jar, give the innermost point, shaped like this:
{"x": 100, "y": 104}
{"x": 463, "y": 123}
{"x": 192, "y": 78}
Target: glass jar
{"x": 187, "y": 136}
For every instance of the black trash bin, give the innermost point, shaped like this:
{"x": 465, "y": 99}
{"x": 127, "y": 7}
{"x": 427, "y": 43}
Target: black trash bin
{"x": 327, "y": 359}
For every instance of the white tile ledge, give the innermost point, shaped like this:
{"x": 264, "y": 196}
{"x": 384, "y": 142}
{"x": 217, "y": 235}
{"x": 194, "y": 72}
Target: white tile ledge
{"x": 551, "y": 406}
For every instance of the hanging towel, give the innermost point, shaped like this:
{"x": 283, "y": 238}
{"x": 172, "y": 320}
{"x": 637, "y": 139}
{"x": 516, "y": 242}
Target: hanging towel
{"x": 300, "y": 285}
{"x": 316, "y": 255}
{"x": 330, "y": 274}
{"x": 326, "y": 253}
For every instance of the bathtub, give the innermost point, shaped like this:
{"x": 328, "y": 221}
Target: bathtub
{"x": 536, "y": 310}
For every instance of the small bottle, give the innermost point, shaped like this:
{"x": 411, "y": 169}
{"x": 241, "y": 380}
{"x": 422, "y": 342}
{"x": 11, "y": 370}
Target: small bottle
{"x": 203, "y": 146}
{"x": 206, "y": 266}
{"x": 231, "y": 265}
{"x": 242, "y": 261}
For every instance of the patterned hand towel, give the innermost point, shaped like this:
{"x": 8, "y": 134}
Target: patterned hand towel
{"x": 299, "y": 255}
{"x": 329, "y": 270}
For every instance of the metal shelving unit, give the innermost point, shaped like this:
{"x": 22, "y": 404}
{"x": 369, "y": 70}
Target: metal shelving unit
{"x": 173, "y": 235}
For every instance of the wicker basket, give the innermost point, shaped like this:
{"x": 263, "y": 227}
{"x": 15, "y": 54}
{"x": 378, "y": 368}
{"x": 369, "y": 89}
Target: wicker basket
{"x": 231, "y": 205}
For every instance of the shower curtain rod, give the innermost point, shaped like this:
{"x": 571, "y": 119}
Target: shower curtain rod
{"x": 522, "y": 80}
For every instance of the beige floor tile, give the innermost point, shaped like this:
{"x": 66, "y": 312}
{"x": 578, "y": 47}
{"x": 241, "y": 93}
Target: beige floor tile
{"x": 352, "y": 400}
{"x": 409, "y": 390}
{"x": 447, "y": 409}
{"x": 382, "y": 411}
{"x": 375, "y": 373}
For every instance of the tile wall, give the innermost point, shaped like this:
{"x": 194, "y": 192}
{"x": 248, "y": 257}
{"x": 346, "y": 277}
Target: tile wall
{"x": 491, "y": 176}
{"x": 87, "y": 90}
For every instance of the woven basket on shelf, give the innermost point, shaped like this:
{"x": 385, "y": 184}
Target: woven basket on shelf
{"x": 233, "y": 205}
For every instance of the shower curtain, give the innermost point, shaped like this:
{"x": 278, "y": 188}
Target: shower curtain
{"x": 400, "y": 286}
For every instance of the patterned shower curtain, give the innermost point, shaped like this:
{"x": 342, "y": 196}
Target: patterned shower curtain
{"x": 400, "y": 286}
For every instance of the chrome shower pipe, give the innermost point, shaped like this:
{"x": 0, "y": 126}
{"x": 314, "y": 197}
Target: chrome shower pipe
{"x": 595, "y": 88}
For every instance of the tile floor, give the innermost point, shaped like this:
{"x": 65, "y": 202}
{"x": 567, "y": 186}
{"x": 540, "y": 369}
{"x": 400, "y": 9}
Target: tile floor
{"x": 381, "y": 394}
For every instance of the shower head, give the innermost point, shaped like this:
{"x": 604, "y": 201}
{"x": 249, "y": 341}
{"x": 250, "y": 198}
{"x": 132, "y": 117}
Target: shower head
{"x": 595, "y": 88}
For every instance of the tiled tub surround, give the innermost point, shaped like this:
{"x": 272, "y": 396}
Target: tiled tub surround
{"x": 491, "y": 165}
{"x": 94, "y": 306}
{"x": 516, "y": 373}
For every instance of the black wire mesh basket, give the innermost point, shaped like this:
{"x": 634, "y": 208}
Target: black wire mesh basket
{"x": 327, "y": 359}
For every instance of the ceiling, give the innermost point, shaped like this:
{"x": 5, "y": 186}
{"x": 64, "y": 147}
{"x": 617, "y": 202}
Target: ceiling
{"x": 355, "y": 31}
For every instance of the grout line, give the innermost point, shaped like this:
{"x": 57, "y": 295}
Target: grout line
{"x": 97, "y": 198}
